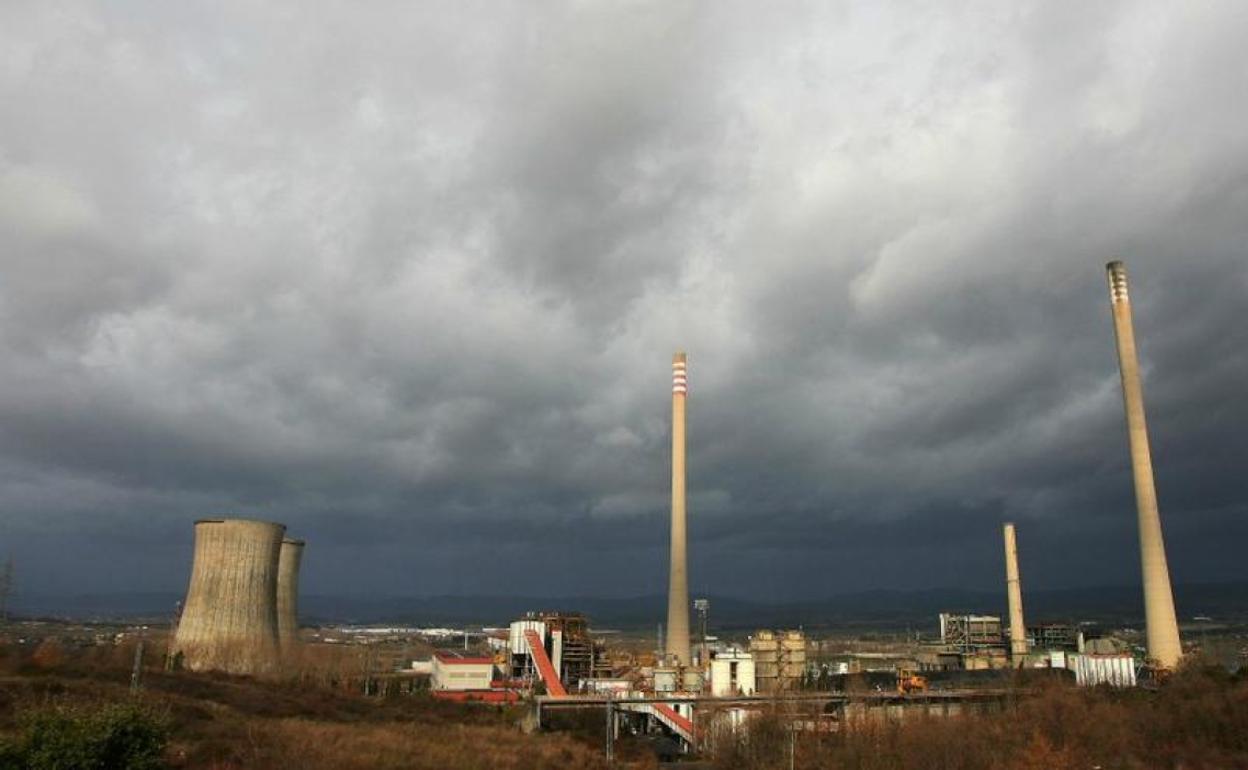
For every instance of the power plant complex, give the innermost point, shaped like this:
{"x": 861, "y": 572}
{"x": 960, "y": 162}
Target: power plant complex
{"x": 240, "y": 610}
{"x": 240, "y": 617}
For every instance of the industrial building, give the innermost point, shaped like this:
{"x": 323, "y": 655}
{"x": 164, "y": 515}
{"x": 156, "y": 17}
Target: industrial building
{"x": 460, "y": 674}
{"x": 1055, "y": 636}
{"x": 1092, "y": 670}
{"x": 779, "y": 659}
{"x": 969, "y": 633}
{"x": 566, "y": 641}
{"x": 733, "y": 673}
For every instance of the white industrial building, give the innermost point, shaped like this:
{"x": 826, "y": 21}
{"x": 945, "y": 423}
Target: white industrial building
{"x": 450, "y": 672}
{"x": 732, "y": 673}
{"x": 1092, "y": 670}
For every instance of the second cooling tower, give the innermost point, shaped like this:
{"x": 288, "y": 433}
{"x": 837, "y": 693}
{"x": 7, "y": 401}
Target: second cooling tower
{"x": 229, "y": 622}
{"x": 288, "y": 595}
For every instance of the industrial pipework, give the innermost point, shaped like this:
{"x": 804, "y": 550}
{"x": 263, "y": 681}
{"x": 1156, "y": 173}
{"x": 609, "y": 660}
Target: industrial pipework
{"x": 229, "y": 622}
{"x": 677, "y": 646}
{"x": 1164, "y": 648}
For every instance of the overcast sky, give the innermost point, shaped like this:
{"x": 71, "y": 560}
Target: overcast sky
{"x": 408, "y": 278}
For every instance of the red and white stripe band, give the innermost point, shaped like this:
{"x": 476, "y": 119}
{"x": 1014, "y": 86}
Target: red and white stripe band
{"x": 680, "y": 379}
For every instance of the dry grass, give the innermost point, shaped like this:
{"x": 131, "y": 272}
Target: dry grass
{"x": 223, "y": 722}
{"x": 1197, "y": 721}
{"x": 327, "y": 746}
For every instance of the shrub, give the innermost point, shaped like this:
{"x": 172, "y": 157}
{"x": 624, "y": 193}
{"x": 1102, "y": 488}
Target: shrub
{"x": 113, "y": 737}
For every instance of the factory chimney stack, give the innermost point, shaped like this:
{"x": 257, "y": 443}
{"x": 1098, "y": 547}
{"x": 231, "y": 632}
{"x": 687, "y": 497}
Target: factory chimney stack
{"x": 1164, "y": 649}
{"x": 229, "y": 622}
{"x": 289, "y": 558}
{"x": 678, "y": 582}
{"x": 1014, "y": 593}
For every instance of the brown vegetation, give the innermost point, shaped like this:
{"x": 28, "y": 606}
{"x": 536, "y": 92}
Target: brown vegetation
{"x": 1198, "y": 720}
{"x": 219, "y": 722}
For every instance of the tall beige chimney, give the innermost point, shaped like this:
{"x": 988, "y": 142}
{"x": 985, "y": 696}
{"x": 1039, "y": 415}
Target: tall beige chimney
{"x": 1014, "y": 593}
{"x": 1164, "y": 649}
{"x": 678, "y": 580}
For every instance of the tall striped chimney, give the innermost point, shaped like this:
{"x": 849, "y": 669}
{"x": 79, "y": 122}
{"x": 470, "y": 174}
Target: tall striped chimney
{"x": 1164, "y": 649}
{"x": 1014, "y": 594}
{"x": 678, "y": 580}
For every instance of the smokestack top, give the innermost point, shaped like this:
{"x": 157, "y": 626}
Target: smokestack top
{"x": 292, "y": 541}
{"x": 680, "y": 374}
{"x": 1117, "y": 273}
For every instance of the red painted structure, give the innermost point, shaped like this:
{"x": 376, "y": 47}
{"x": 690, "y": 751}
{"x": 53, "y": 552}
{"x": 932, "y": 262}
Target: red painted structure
{"x": 544, "y": 666}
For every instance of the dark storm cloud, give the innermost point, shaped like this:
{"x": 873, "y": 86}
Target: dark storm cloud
{"x": 408, "y": 279}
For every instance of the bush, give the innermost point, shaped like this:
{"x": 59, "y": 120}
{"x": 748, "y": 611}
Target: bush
{"x": 114, "y": 737}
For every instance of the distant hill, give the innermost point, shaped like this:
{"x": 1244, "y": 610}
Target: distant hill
{"x": 865, "y": 609}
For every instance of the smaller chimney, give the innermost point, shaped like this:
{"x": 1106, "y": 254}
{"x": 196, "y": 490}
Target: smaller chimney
{"x": 1014, "y": 593}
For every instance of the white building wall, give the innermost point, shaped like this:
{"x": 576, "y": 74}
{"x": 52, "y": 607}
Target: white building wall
{"x": 722, "y": 683}
{"x": 1113, "y": 670}
{"x": 516, "y": 635}
{"x": 461, "y": 676}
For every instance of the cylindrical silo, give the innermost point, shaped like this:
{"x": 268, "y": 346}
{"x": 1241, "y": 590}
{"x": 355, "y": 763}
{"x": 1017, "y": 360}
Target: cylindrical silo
{"x": 1162, "y": 628}
{"x": 229, "y": 621}
{"x": 288, "y": 595}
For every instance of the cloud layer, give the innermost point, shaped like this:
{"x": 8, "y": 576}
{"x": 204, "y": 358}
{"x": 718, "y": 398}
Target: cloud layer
{"x": 408, "y": 278}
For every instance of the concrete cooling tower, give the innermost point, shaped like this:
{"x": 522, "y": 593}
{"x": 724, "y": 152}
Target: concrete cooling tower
{"x": 229, "y": 621}
{"x": 288, "y": 595}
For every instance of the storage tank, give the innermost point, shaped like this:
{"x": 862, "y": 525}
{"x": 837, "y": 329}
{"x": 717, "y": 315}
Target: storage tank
{"x": 229, "y": 621}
